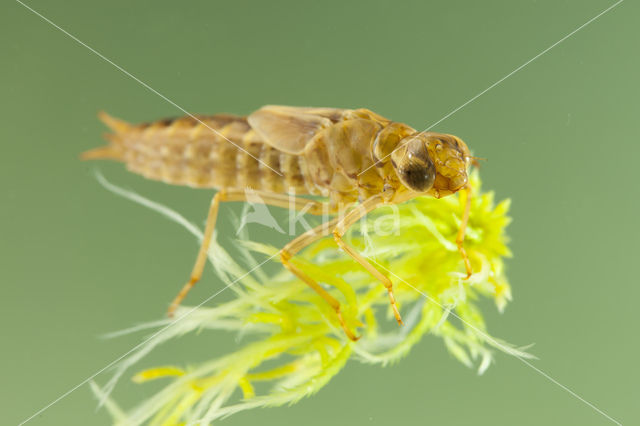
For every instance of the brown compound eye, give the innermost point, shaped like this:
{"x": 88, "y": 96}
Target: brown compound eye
{"x": 418, "y": 176}
{"x": 414, "y": 166}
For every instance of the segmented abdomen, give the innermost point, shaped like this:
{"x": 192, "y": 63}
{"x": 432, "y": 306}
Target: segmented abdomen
{"x": 220, "y": 151}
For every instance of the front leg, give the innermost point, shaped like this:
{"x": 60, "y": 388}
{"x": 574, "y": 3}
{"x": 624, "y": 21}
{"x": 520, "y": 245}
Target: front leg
{"x": 462, "y": 230}
{"x": 343, "y": 225}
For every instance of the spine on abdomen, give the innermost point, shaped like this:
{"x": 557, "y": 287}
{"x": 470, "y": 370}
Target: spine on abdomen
{"x": 220, "y": 151}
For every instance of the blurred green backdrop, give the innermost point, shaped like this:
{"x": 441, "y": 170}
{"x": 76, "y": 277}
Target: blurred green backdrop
{"x": 560, "y": 135}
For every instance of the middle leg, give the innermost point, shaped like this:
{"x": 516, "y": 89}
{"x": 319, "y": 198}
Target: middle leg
{"x": 298, "y": 244}
{"x": 343, "y": 225}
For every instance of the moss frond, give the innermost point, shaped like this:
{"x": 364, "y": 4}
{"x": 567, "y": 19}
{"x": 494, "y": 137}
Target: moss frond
{"x": 293, "y": 342}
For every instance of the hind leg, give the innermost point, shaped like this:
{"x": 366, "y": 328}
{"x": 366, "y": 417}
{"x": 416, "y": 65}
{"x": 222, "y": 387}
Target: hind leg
{"x": 196, "y": 272}
{"x": 268, "y": 198}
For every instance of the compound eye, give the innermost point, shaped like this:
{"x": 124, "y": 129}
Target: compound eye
{"x": 414, "y": 165}
{"x": 418, "y": 175}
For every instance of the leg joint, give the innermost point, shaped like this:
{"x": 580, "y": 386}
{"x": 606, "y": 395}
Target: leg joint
{"x": 222, "y": 194}
{"x": 316, "y": 208}
{"x": 285, "y": 256}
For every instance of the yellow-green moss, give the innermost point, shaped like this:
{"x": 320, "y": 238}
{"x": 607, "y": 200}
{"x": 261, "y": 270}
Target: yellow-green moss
{"x": 287, "y": 324}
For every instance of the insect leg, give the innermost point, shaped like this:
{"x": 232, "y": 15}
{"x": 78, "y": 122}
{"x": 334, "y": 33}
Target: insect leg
{"x": 461, "y": 232}
{"x": 343, "y": 225}
{"x": 314, "y": 207}
{"x": 196, "y": 272}
{"x": 298, "y": 244}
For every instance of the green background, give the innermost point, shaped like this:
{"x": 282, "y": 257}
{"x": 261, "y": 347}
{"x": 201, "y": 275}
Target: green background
{"x": 561, "y": 138}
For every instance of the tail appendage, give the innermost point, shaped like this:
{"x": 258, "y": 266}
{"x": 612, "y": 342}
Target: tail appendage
{"x": 115, "y": 149}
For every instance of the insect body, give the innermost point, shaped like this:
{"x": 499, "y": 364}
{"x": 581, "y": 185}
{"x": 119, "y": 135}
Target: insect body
{"x": 354, "y": 158}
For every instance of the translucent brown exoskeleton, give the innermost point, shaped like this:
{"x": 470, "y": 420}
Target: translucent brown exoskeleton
{"x": 355, "y": 159}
